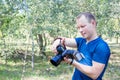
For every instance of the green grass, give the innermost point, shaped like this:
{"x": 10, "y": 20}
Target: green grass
{"x": 44, "y": 70}
{"x": 9, "y": 72}
{"x": 113, "y": 69}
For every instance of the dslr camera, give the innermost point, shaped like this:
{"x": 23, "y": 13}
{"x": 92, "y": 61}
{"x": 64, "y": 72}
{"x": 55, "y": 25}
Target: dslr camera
{"x": 63, "y": 52}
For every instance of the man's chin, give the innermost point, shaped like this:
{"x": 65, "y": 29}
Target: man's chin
{"x": 84, "y": 36}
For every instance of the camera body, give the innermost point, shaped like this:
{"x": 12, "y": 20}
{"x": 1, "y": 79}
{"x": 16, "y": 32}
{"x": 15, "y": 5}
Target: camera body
{"x": 62, "y": 52}
{"x": 59, "y": 57}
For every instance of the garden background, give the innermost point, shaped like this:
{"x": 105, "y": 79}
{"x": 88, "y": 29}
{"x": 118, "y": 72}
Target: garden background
{"x": 28, "y": 27}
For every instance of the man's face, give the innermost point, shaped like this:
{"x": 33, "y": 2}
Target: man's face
{"x": 85, "y": 28}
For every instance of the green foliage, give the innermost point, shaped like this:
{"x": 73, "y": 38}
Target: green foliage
{"x": 55, "y": 17}
{"x": 44, "y": 70}
{"x": 22, "y": 20}
{"x": 10, "y": 19}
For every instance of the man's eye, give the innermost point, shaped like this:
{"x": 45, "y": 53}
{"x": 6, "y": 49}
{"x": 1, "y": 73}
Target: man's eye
{"x": 78, "y": 27}
{"x": 82, "y": 26}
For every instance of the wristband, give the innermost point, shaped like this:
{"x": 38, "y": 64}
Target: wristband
{"x": 63, "y": 41}
{"x": 57, "y": 38}
{"x": 71, "y": 62}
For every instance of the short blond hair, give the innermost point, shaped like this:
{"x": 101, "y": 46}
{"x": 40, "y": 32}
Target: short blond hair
{"x": 89, "y": 16}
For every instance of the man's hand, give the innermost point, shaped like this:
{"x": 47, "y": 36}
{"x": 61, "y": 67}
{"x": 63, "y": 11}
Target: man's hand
{"x": 68, "y": 60}
{"x": 57, "y": 41}
{"x": 54, "y": 45}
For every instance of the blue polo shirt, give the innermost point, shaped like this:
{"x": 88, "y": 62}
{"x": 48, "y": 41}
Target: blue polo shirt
{"x": 96, "y": 50}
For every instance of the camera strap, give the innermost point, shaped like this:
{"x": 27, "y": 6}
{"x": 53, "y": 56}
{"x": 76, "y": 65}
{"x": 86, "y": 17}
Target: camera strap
{"x": 61, "y": 42}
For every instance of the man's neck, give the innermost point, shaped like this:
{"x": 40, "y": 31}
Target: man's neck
{"x": 91, "y": 38}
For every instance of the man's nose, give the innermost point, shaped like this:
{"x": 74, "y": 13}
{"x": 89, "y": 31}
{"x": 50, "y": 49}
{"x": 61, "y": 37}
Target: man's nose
{"x": 80, "y": 30}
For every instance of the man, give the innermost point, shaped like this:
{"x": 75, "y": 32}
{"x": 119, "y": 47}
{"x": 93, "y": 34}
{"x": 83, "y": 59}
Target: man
{"x": 95, "y": 51}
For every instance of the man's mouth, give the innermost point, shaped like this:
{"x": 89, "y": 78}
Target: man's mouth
{"x": 83, "y": 34}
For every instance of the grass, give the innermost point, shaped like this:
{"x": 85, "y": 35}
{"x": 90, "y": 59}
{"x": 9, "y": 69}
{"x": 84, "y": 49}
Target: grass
{"x": 113, "y": 69}
{"x": 43, "y": 70}
{"x": 9, "y": 72}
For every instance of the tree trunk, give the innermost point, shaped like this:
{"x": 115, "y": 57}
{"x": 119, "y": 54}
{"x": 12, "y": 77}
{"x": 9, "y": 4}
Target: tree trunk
{"x": 5, "y": 52}
{"x": 41, "y": 45}
{"x": 117, "y": 39}
{"x": 45, "y": 42}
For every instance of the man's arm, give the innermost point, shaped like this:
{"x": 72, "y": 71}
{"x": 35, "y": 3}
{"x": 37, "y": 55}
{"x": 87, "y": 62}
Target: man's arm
{"x": 70, "y": 42}
{"x": 65, "y": 41}
{"x": 92, "y": 71}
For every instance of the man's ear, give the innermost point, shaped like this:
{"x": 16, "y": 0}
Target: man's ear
{"x": 93, "y": 22}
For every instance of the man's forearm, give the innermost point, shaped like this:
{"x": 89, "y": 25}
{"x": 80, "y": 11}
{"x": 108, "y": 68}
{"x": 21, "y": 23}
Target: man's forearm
{"x": 90, "y": 71}
{"x": 70, "y": 42}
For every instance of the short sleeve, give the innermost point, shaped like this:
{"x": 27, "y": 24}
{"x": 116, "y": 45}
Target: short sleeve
{"x": 102, "y": 53}
{"x": 79, "y": 41}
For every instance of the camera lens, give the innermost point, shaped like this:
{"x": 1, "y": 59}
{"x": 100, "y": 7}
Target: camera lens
{"x": 56, "y": 60}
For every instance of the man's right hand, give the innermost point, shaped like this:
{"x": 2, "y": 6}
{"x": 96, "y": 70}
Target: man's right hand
{"x": 54, "y": 45}
{"x": 74, "y": 53}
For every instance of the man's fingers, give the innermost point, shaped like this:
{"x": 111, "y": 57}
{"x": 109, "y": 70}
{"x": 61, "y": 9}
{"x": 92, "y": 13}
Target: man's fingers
{"x": 54, "y": 45}
{"x": 67, "y": 60}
